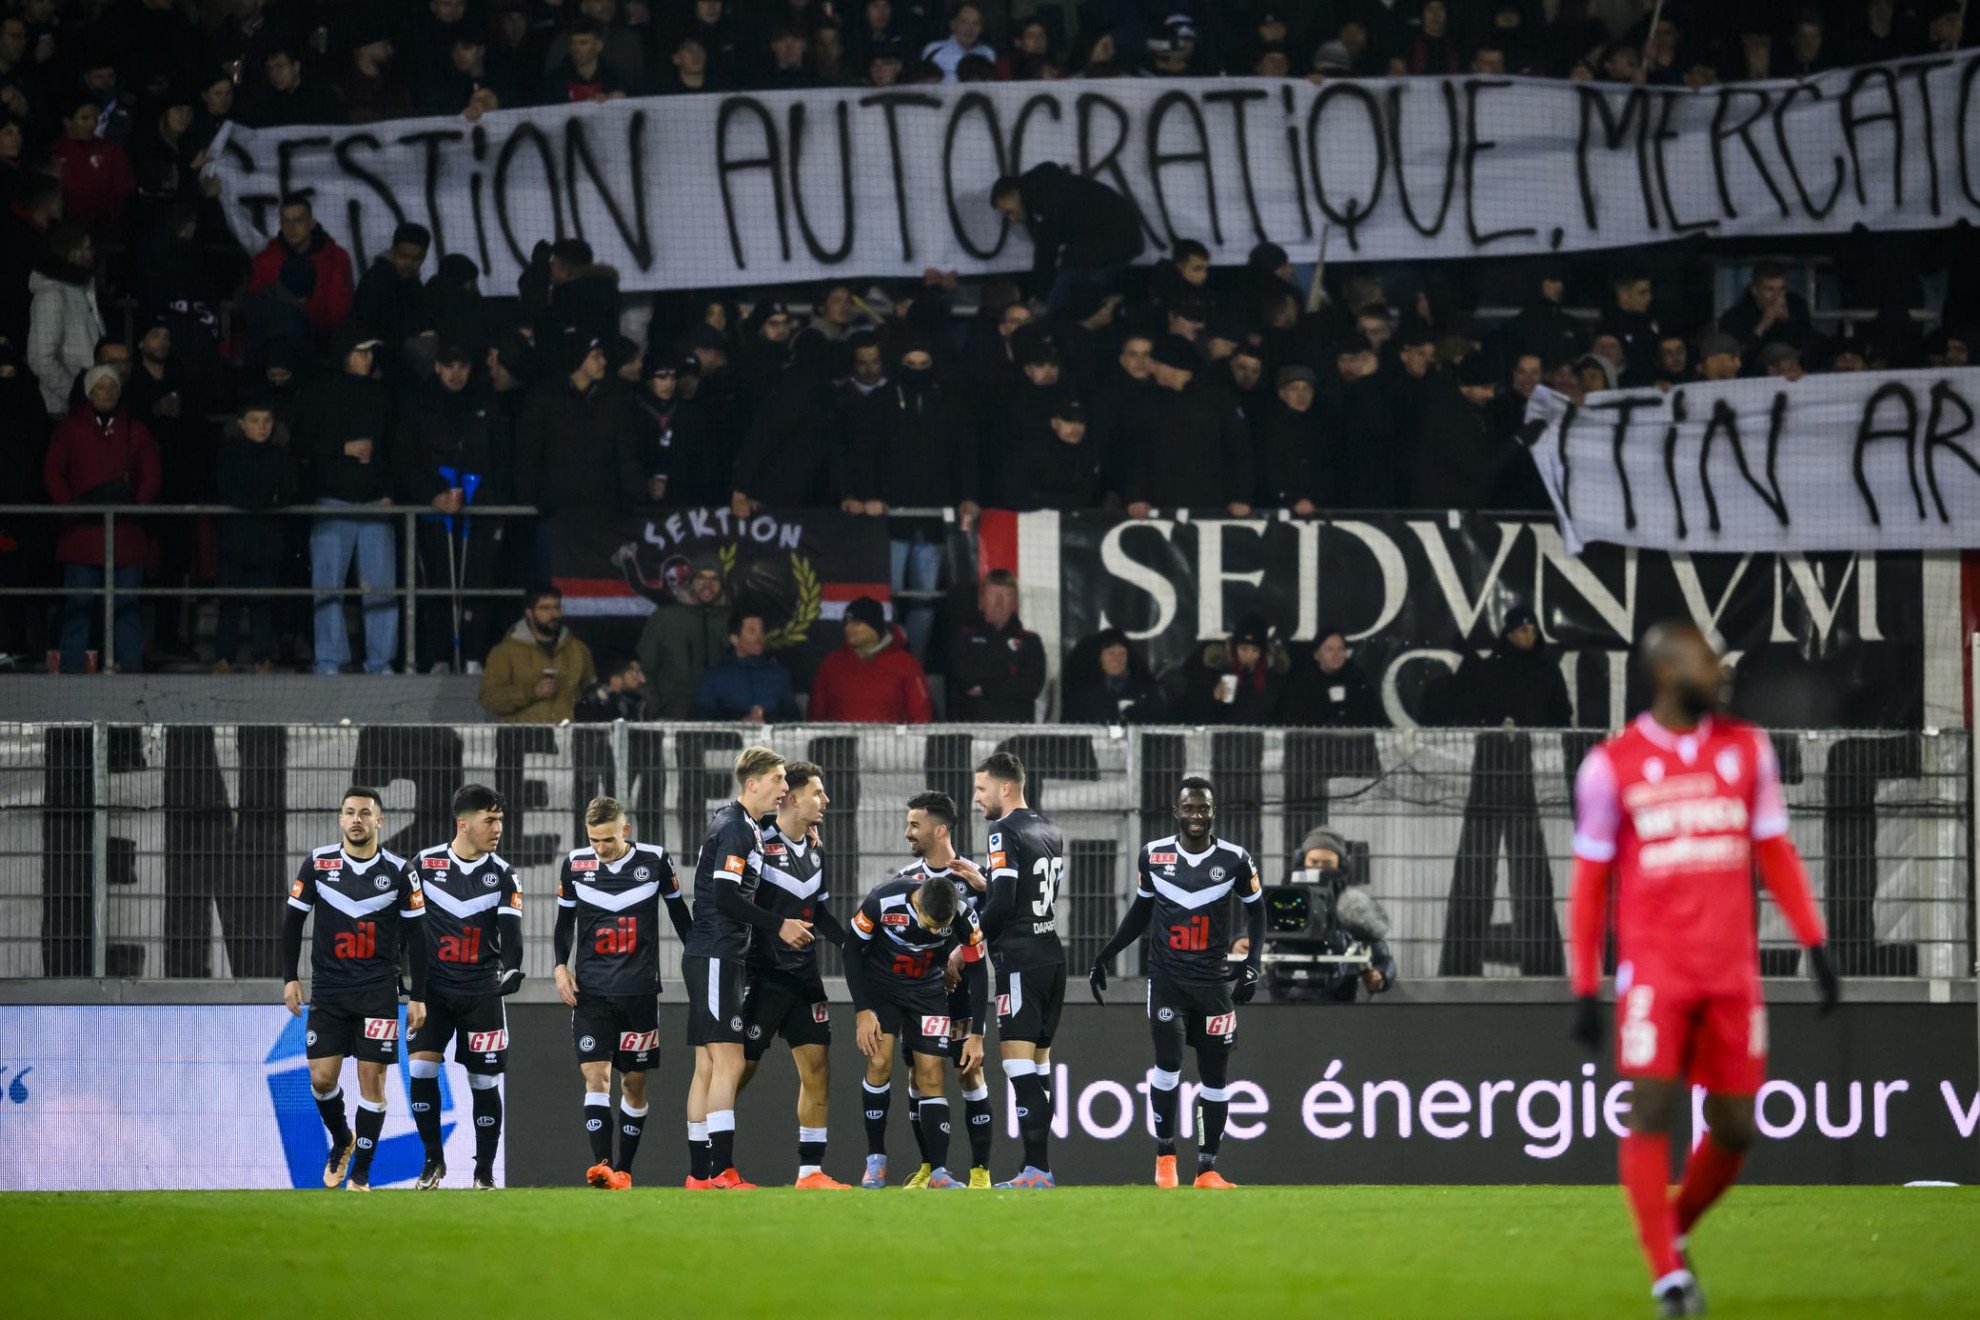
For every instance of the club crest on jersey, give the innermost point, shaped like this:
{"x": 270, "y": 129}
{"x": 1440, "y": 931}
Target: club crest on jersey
{"x": 433, "y": 863}
{"x": 735, "y": 1023}
{"x": 1165, "y": 1015}
{"x": 587, "y": 1042}
{"x": 642, "y": 873}
{"x": 1217, "y": 873}
{"x": 584, "y": 864}
{"x": 490, "y": 881}
{"x": 382, "y": 883}
{"x": 1728, "y": 762}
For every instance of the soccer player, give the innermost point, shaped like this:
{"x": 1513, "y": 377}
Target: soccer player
{"x": 904, "y": 932}
{"x": 1026, "y": 863}
{"x": 362, "y": 896}
{"x": 786, "y": 995}
{"x": 714, "y": 960}
{"x": 1683, "y": 804}
{"x": 1184, "y": 886}
{"x": 474, "y": 953}
{"x": 608, "y": 916}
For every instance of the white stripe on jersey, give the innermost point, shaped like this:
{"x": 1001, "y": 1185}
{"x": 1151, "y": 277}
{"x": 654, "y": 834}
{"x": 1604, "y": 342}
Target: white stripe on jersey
{"x": 1192, "y": 899}
{"x": 600, "y": 898}
{"x": 790, "y": 884}
{"x": 357, "y": 907}
{"x": 461, "y": 907}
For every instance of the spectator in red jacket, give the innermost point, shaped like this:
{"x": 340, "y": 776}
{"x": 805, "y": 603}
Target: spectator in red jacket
{"x": 99, "y": 455}
{"x": 303, "y": 267}
{"x": 97, "y": 181}
{"x": 872, "y": 679}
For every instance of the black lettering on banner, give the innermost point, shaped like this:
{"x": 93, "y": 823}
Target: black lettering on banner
{"x": 1787, "y": 153}
{"x": 1110, "y": 162}
{"x": 431, "y": 140}
{"x": 1293, "y": 170}
{"x": 1669, "y": 101}
{"x": 983, "y": 105}
{"x": 1743, "y": 130}
{"x": 1355, "y": 212}
{"x": 478, "y": 140}
{"x": 1159, "y": 160}
{"x": 1942, "y": 394}
{"x": 522, "y": 135}
{"x": 1636, "y": 112}
{"x": 352, "y": 211}
{"x": 1869, "y": 432}
{"x": 1678, "y": 411}
{"x": 889, "y": 102}
{"x": 1963, "y": 121}
{"x": 1022, "y": 124}
{"x": 849, "y": 221}
{"x": 769, "y": 160}
{"x": 1890, "y": 114}
{"x": 1572, "y": 411}
{"x": 289, "y": 148}
{"x": 1624, "y": 408}
{"x": 1237, "y": 101}
{"x": 1395, "y": 117}
{"x": 636, "y": 238}
{"x": 1726, "y": 418}
{"x": 429, "y": 756}
{"x": 1474, "y": 147}
{"x": 255, "y": 204}
{"x": 523, "y": 793}
{"x": 1922, "y": 71}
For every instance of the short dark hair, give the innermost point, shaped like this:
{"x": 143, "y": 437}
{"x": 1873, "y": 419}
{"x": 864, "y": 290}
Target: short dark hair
{"x": 1189, "y": 247}
{"x": 799, "y": 773}
{"x": 1002, "y": 765}
{"x": 939, "y": 806}
{"x": 362, "y": 791}
{"x": 1007, "y": 186}
{"x": 1195, "y": 781}
{"x": 537, "y": 591}
{"x": 571, "y": 251}
{"x": 1000, "y": 577}
{"x": 472, "y": 799}
{"x": 937, "y": 899}
{"x": 290, "y": 199}
{"x": 736, "y": 618}
{"x": 1768, "y": 270}
{"x": 416, "y": 234}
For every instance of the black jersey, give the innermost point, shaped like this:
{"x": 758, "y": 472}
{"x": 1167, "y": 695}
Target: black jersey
{"x": 1027, "y": 854}
{"x": 617, "y": 949}
{"x": 358, "y": 903}
{"x": 731, "y": 855}
{"x": 794, "y": 888}
{"x": 473, "y": 909}
{"x": 1192, "y": 928}
{"x": 908, "y": 953}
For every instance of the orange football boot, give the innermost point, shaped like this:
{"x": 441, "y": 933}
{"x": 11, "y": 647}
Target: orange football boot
{"x": 1165, "y": 1171}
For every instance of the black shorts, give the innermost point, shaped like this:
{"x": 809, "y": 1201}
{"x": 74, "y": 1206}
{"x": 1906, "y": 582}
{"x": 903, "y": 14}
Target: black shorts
{"x": 622, "y": 1028}
{"x": 477, "y": 1024}
{"x": 363, "y": 1024}
{"x": 715, "y": 1000}
{"x": 1028, "y": 1003}
{"x": 918, "y": 1016}
{"x": 1202, "y": 1012}
{"x": 783, "y": 1004}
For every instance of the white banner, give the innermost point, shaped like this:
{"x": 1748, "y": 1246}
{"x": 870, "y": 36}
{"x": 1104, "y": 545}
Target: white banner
{"x": 765, "y": 188}
{"x": 1874, "y": 460}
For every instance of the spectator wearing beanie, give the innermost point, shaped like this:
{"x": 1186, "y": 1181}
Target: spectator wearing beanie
{"x": 870, "y": 678}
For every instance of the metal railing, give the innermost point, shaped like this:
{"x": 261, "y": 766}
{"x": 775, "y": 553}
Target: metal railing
{"x": 165, "y": 850}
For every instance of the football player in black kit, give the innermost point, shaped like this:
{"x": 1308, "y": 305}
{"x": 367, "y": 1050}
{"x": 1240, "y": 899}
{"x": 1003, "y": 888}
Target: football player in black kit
{"x": 904, "y": 932}
{"x": 714, "y": 962}
{"x": 474, "y": 953}
{"x": 1184, "y": 885}
{"x": 1026, "y": 863}
{"x": 786, "y": 997}
{"x": 608, "y": 914}
{"x": 362, "y": 896}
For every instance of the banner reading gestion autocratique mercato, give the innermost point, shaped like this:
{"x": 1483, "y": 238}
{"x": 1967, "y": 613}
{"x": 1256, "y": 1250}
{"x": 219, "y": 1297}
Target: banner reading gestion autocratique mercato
{"x": 767, "y": 187}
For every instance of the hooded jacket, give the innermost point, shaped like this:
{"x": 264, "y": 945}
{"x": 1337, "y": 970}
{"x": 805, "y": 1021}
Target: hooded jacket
{"x": 1091, "y": 697}
{"x": 1344, "y": 699}
{"x": 679, "y": 644}
{"x": 916, "y": 446}
{"x": 254, "y": 476}
{"x": 324, "y": 289}
{"x": 886, "y": 686}
{"x": 508, "y": 679}
{"x": 1194, "y": 452}
{"x": 1258, "y": 689}
{"x": 578, "y": 449}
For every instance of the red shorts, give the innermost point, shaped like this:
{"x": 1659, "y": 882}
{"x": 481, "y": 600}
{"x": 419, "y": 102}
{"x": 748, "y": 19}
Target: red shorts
{"x": 1714, "y": 1039}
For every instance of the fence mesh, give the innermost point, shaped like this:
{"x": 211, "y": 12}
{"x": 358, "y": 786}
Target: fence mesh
{"x": 164, "y": 850}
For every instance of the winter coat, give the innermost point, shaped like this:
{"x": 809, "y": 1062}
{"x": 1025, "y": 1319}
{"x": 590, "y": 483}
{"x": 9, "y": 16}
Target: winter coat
{"x": 95, "y": 459}
{"x": 1297, "y": 457}
{"x": 334, "y": 408}
{"x": 920, "y": 448}
{"x": 509, "y": 676}
{"x": 1007, "y": 664}
{"x": 439, "y": 428}
{"x": 64, "y": 325}
{"x": 790, "y": 461}
{"x": 389, "y": 308}
{"x": 677, "y": 646}
{"x": 324, "y": 288}
{"x": 254, "y": 476}
{"x": 1195, "y": 452}
{"x": 1258, "y": 690}
{"x": 886, "y": 687}
{"x": 578, "y": 450}
{"x": 1344, "y": 699}
{"x": 97, "y": 184}
{"x": 1075, "y": 222}
{"x": 730, "y": 689}
{"x": 1525, "y": 687}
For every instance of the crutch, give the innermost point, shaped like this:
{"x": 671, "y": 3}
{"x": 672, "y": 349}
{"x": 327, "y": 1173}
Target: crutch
{"x": 470, "y": 482}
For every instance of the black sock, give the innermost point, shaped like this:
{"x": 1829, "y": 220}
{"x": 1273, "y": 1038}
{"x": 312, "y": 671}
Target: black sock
{"x": 935, "y": 1129}
{"x": 698, "y": 1151}
{"x": 1210, "y": 1116}
{"x": 370, "y": 1122}
{"x": 811, "y": 1147}
{"x": 426, "y": 1113}
{"x": 1034, "y": 1120}
{"x": 1166, "y": 1104}
{"x": 331, "y": 1107}
{"x": 487, "y": 1130}
{"x": 914, "y": 1124}
{"x": 981, "y": 1130}
{"x": 721, "y": 1142}
{"x": 598, "y": 1126}
{"x": 631, "y": 1127}
{"x": 877, "y": 1103}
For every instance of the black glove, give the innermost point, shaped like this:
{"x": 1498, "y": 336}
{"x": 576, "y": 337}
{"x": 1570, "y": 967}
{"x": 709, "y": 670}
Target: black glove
{"x": 1247, "y": 984}
{"x": 1097, "y": 978}
{"x": 1587, "y": 1028}
{"x": 511, "y": 981}
{"x": 1827, "y": 983}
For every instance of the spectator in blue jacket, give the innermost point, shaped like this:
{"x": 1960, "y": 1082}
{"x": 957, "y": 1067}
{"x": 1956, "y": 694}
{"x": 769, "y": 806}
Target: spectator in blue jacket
{"x": 750, "y": 685}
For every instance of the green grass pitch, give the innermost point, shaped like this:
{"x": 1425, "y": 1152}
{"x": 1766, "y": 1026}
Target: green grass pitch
{"x": 1115, "y": 1253}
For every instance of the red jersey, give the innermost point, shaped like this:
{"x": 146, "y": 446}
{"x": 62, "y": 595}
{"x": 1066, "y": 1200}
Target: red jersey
{"x": 1678, "y": 814}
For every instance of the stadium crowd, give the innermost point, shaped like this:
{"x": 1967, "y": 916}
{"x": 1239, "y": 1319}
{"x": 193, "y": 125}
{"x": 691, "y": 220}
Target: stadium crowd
{"x": 144, "y": 358}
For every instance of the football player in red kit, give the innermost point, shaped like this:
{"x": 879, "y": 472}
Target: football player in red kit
{"x": 1682, "y": 805}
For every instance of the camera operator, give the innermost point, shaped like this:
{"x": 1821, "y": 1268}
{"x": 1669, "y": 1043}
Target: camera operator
{"x": 1355, "y": 921}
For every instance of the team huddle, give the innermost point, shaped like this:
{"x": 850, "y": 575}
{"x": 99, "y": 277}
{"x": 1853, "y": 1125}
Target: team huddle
{"x": 930, "y": 953}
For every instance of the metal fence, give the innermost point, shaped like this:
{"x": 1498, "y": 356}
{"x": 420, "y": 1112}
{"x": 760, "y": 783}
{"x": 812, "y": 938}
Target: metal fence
{"x": 164, "y": 850}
